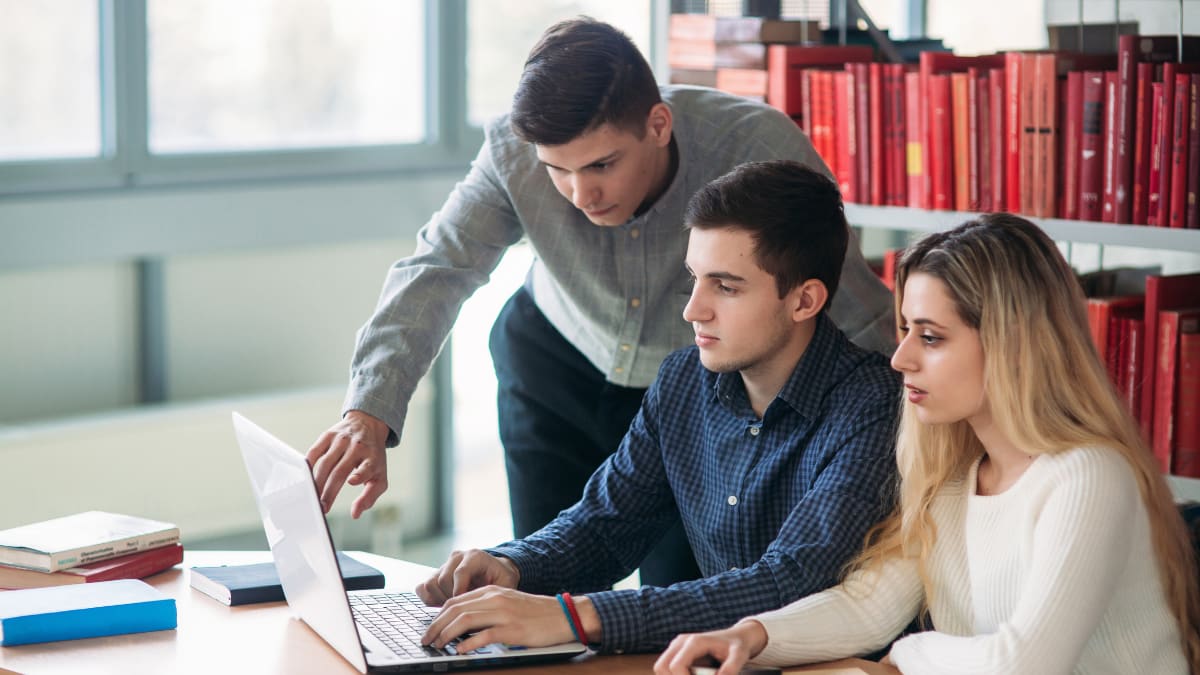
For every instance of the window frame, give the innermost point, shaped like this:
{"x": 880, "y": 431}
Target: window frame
{"x": 125, "y": 162}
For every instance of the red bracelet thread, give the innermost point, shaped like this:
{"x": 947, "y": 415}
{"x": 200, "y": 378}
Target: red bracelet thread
{"x": 583, "y": 637}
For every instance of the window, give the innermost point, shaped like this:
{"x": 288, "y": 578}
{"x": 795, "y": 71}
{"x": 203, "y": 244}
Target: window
{"x": 267, "y": 74}
{"x": 49, "y": 84}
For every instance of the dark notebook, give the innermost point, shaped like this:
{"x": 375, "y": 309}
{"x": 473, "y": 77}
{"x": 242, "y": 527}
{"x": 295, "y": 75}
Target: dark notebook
{"x": 246, "y": 584}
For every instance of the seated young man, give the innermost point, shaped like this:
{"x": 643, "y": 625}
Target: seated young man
{"x": 771, "y": 439}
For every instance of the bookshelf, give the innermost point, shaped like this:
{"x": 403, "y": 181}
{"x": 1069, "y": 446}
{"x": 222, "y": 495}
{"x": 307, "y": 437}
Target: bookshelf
{"x": 922, "y": 220}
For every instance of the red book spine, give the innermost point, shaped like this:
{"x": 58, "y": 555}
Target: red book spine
{"x": 961, "y": 148}
{"x": 862, "y": 127}
{"x": 1154, "y": 183}
{"x": 1162, "y": 292}
{"x": 1061, "y": 149}
{"x": 1143, "y": 121}
{"x": 1046, "y": 107}
{"x": 1126, "y": 84}
{"x": 1179, "y": 150}
{"x": 1072, "y": 137}
{"x": 996, "y": 130}
{"x": 1187, "y": 412}
{"x": 806, "y": 103}
{"x": 1091, "y": 161}
{"x": 1031, "y": 187}
{"x": 897, "y": 111}
{"x": 983, "y": 138}
{"x": 846, "y": 135}
{"x": 1192, "y": 217}
{"x": 783, "y": 81}
{"x": 915, "y": 155}
{"x": 1165, "y": 143}
{"x": 826, "y": 115}
{"x": 941, "y": 142}
{"x": 1135, "y": 333}
{"x": 876, "y": 160}
{"x": 1108, "y": 198}
{"x": 1013, "y": 125}
{"x": 1171, "y": 324}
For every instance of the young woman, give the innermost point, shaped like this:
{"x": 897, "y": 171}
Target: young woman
{"x": 1033, "y": 524}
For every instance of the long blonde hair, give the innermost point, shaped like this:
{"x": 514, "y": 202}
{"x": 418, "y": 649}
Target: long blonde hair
{"x": 1047, "y": 389}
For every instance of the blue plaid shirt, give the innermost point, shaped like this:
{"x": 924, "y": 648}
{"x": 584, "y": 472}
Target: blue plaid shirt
{"x": 773, "y": 507}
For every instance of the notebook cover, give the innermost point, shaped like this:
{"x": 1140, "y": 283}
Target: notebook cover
{"x": 248, "y": 584}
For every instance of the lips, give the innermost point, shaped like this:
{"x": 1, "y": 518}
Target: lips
{"x": 601, "y": 212}
{"x": 705, "y": 340}
{"x": 915, "y": 395}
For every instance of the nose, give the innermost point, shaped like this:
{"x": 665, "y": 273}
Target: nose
{"x": 584, "y": 192}
{"x": 903, "y": 358}
{"x": 696, "y": 309}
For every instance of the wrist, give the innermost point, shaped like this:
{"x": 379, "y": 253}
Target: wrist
{"x": 589, "y": 617}
{"x": 753, "y": 634}
{"x": 512, "y": 572}
{"x": 375, "y": 425}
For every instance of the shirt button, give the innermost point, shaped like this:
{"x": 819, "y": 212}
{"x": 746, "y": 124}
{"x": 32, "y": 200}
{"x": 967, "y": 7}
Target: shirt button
{"x": 635, "y": 302}
{"x": 733, "y": 569}
{"x": 625, "y": 348}
{"x": 732, "y": 500}
{"x": 634, "y": 233}
{"x": 754, "y": 431}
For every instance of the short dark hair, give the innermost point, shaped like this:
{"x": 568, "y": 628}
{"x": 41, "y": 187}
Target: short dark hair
{"x": 581, "y": 75}
{"x": 793, "y": 212}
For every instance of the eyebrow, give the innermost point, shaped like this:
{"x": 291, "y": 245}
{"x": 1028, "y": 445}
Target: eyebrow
{"x": 925, "y": 322}
{"x": 603, "y": 160}
{"x": 726, "y": 276}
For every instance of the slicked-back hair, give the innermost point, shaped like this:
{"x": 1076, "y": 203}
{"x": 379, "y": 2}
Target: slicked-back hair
{"x": 581, "y": 75}
{"x": 793, "y": 212}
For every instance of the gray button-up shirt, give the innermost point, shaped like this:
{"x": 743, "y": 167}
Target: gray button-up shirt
{"x": 616, "y": 293}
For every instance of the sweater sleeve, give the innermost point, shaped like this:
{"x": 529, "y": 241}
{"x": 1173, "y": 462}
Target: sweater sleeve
{"x": 862, "y": 614}
{"x": 1079, "y": 549}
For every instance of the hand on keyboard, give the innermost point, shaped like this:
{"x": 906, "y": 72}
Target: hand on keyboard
{"x": 494, "y": 614}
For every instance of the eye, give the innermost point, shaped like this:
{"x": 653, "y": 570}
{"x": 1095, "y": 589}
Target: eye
{"x": 601, "y": 166}
{"x": 727, "y": 290}
{"x": 930, "y": 339}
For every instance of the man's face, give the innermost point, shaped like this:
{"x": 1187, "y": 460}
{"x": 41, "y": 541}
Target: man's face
{"x": 608, "y": 173}
{"x": 740, "y": 321}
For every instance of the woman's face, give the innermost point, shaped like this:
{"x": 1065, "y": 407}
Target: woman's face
{"x": 940, "y": 356}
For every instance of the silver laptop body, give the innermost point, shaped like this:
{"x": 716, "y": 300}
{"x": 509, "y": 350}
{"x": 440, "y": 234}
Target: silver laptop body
{"x": 312, "y": 582}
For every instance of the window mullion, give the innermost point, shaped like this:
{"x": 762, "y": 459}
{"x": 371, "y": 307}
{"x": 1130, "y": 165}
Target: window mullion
{"x": 129, "y": 88}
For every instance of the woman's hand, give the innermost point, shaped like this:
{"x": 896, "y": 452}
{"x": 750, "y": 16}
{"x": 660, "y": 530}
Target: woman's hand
{"x": 733, "y": 647}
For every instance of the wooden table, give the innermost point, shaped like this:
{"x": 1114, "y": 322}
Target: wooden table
{"x": 217, "y": 640}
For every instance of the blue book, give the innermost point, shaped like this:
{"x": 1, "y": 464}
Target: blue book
{"x": 82, "y": 611}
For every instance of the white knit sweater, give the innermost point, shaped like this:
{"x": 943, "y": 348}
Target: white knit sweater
{"x": 1055, "y": 575}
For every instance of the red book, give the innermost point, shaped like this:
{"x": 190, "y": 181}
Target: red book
{"x": 845, "y": 135}
{"x": 1031, "y": 186}
{"x": 827, "y": 114}
{"x": 1013, "y": 125}
{"x": 916, "y": 164}
{"x": 983, "y": 139}
{"x": 786, "y": 64}
{"x": 806, "y": 101}
{"x": 996, "y": 130}
{"x": 1162, "y": 148}
{"x": 132, "y": 566}
{"x": 1162, "y": 292}
{"x": 1073, "y": 135}
{"x": 890, "y": 258}
{"x": 1154, "y": 182}
{"x": 1143, "y": 121}
{"x": 748, "y": 82}
{"x": 1132, "y": 360}
{"x": 1187, "y": 411}
{"x": 931, "y": 63}
{"x": 962, "y": 153}
{"x": 862, "y": 126}
{"x": 1061, "y": 148}
{"x": 876, "y": 160}
{"x": 1179, "y": 150}
{"x": 896, "y": 110}
{"x": 1108, "y": 193}
{"x": 1101, "y": 314}
{"x": 941, "y": 144}
{"x": 1192, "y": 215}
{"x": 1045, "y": 170}
{"x": 1091, "y": 159}
{"x": 1171, "y": 324}
{"x": 1124, "y": 120}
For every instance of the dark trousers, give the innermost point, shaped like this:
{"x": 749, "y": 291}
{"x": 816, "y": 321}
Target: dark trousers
{"x": 559, "y": 419}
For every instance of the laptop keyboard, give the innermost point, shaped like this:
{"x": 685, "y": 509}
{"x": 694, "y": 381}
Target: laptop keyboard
{"x": 399, "y": 620}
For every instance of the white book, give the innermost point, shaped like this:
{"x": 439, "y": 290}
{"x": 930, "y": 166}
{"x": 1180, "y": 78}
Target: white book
{"x": 59, "y": 543}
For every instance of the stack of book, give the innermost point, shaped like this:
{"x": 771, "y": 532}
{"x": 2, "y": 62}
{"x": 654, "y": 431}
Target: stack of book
{"x": 86, "y": 548}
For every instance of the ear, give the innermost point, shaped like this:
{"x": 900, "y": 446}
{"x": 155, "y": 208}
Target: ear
{"x": 807, "y": 299}
{"x": 658, "y": 124}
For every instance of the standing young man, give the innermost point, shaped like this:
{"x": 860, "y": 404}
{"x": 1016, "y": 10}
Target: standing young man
{"x": 771, "y": 439}
{"x": 594, "y": 166}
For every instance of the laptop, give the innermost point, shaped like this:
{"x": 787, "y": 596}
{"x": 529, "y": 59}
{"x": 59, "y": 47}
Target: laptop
{"x": 376, "y": 631}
